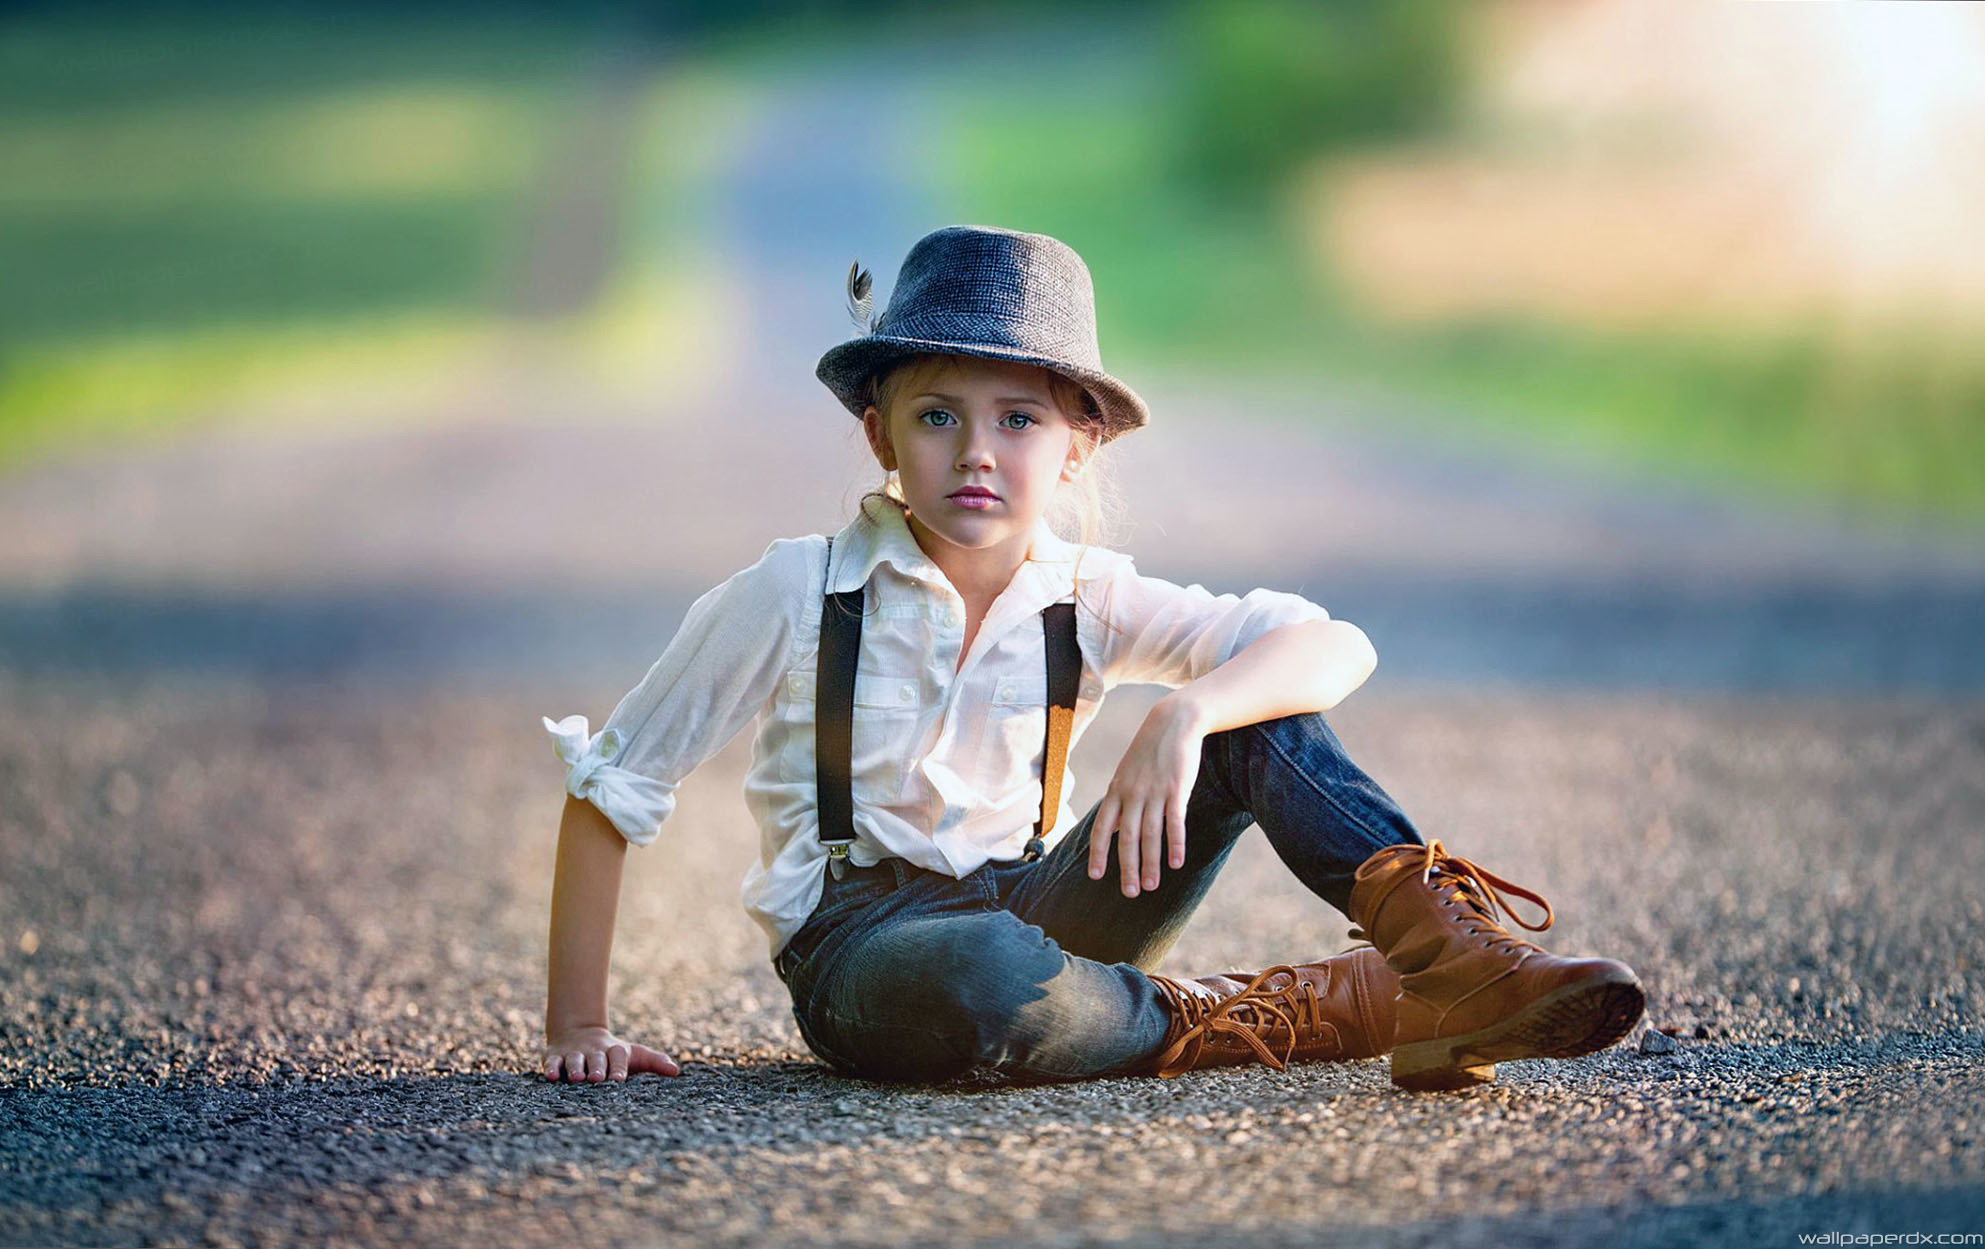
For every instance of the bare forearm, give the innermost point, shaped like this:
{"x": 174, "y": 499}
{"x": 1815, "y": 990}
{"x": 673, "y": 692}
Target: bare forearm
{"x": 1311, "y": 666}
{"x": 585, "y": 896}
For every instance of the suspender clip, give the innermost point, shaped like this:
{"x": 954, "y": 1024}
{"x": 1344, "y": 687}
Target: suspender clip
{"x": 837, "y": 858}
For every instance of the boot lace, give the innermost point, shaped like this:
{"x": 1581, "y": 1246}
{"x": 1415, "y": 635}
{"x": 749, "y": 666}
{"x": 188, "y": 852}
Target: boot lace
{"x": 1247, "y": 1014}
{"x": 1458, "y": 880}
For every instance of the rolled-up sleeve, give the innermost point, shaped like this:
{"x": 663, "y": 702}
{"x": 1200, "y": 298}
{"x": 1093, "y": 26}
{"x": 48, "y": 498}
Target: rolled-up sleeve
{"x": 717, "y": 672}
{"x": 1162, "y": 633}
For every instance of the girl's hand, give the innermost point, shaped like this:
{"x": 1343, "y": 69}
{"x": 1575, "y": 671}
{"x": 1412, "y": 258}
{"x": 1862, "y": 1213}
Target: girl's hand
{"x": 590, "y": 1055}
{"x": 1144, "y": 807}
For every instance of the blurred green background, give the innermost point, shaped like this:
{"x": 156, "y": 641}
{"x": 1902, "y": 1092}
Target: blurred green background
{"x": 1496, "y": 217}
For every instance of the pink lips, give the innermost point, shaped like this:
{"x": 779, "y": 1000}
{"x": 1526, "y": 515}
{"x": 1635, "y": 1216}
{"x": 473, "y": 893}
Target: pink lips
{"x": 975, "y": 497}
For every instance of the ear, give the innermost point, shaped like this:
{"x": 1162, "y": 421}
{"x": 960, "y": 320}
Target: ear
{"x": 1076, "y": 460}
{"x": 878, "y": 437}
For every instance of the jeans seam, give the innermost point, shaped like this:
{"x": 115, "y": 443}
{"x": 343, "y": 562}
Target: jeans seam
{"x": 834, "y": 1057}
{"x": 1323, "y": 793}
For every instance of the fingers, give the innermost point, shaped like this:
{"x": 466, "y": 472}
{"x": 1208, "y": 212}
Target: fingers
{"x": 1101, "y": 829}
{"x": 652, "y": 1061}
{"x": 615, "y": 1063}
{"x": 1151, "y": 844}
{"x": 1143, "y": 836}
{"x": 1129, "y": 849}
{"x": 1140, "y": 834}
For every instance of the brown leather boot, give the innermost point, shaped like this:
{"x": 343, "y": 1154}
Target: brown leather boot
{"x": 1339, "y": 1008}
{"x": 1471, "y": 994}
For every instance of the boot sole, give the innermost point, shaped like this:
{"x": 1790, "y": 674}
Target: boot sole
{"x": 1577, "y": 1019}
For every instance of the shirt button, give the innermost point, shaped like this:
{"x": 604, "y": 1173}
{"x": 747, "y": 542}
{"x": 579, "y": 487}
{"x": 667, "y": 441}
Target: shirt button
{"x": 907, "y": 693}
{"x": 609, "y": 744}
{"x": 1004, "y": 692}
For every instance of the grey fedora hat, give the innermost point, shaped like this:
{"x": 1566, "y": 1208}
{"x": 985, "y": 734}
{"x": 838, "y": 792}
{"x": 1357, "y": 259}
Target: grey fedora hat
{"x": 984, "y": 291}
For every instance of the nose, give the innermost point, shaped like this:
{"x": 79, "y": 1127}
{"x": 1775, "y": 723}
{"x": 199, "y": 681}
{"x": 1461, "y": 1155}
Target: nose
{"x": 975, "y": 449}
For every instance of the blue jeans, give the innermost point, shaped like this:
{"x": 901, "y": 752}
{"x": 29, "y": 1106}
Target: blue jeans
{"x": 1034, "y": 971}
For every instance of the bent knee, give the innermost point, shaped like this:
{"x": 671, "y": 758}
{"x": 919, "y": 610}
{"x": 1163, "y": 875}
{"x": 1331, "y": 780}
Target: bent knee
{"x": 928, "y": 1001}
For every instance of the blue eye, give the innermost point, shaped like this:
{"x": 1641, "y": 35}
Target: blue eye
{"x": 1033, "y": 420}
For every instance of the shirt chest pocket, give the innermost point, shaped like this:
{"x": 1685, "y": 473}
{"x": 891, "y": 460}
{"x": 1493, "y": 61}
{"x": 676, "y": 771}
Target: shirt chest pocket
{"x": 872, "y": 690}
{"x": 885, "y": 714}
{"x": 1019, "y": 693}
{"x": 1016, "y": 734}
{"x": 1016, "y": 727}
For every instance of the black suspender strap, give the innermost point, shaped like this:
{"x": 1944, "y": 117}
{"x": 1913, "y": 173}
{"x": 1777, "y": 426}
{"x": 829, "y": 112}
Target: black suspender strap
{"x": 834, "y": 714}
{"x": 834, "y": 718}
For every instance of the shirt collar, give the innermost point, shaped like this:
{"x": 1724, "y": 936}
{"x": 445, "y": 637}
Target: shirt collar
{"x": 881, "y": 535}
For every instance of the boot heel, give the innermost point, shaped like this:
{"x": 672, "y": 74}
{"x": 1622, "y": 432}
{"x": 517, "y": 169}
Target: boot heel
{"x": 1437, "y": 1067}
{"x": 1413, "y": 897}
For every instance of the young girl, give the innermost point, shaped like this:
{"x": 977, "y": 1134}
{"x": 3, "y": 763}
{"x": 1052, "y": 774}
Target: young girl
{"x": 920, "y": 677}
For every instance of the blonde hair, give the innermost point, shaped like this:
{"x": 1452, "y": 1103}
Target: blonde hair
{"x": 1084, "y": 511}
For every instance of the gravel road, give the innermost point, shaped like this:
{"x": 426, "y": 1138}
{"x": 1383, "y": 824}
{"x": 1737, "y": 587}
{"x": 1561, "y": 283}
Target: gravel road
{"x": 272, "y": 974}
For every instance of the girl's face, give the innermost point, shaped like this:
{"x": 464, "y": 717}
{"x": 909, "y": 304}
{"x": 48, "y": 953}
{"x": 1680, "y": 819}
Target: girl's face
{"x": 976, "y": 426}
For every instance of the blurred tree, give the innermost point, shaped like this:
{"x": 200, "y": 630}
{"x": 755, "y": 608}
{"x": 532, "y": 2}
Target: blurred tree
{"x": 1269, "y": 83}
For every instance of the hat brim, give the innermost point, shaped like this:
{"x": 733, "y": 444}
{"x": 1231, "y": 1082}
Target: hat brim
{"x": 845, "y": 371}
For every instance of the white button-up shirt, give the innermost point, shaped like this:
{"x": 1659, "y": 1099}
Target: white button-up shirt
{"x": 946, "y": 759}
